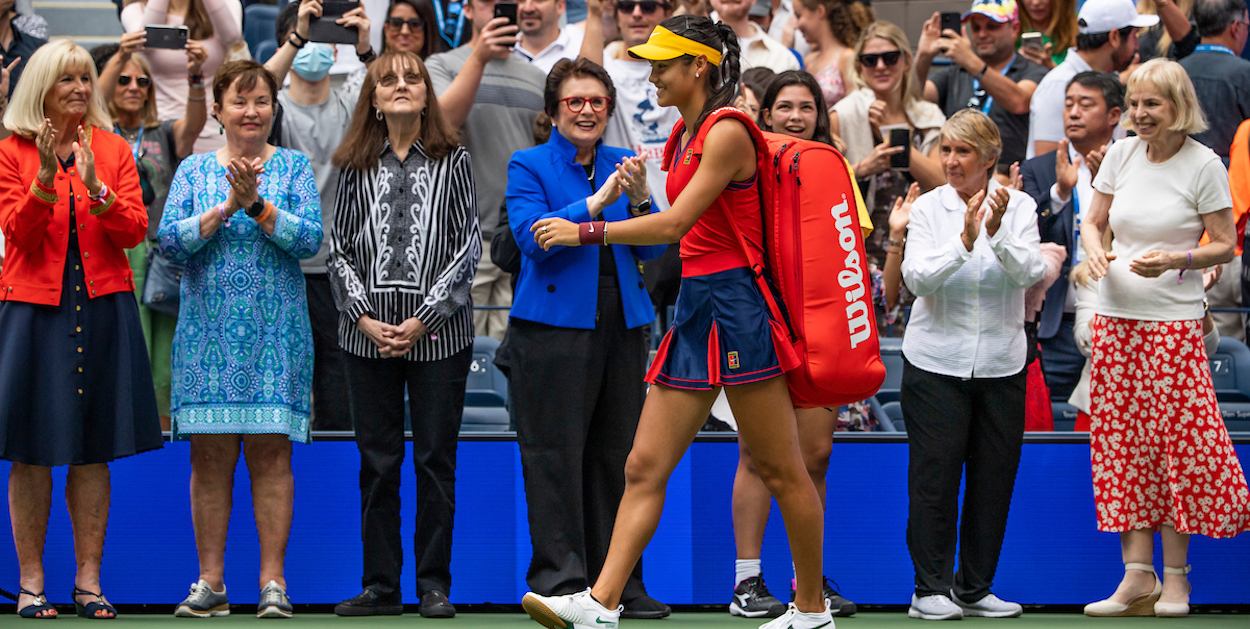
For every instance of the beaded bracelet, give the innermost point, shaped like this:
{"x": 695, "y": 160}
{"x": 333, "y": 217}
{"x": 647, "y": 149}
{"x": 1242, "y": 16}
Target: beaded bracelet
{"x": 221, "y": 210}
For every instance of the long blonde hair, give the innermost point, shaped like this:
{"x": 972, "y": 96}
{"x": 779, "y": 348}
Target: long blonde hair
{"x": 1148, "y": 7}
{"x": 895, "y": 35}
{"x": 45, "y": 67}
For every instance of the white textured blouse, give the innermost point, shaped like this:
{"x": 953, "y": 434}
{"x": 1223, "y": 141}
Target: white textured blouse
{"x": 968, "y": 319}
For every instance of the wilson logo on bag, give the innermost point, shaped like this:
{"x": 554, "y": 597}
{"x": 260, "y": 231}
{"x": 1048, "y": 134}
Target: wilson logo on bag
{"x": 815, "y": 272}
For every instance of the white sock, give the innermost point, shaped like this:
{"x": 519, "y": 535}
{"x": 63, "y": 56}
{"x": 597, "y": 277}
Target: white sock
{"x": 804, "y": 620}
{"x": 745, "y": 569}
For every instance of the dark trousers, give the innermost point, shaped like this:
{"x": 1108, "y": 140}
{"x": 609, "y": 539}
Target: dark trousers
{"x": 331, "y": 408}
{"x": 952, "y": 422}
{"x": 436, "y": 401}
{"x": 1062, "y": 362}
{"x": 577, "y": 395}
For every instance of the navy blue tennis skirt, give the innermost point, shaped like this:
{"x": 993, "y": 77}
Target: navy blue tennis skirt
{"x": 722, "y": 335}
{"x": 75, "y": 383}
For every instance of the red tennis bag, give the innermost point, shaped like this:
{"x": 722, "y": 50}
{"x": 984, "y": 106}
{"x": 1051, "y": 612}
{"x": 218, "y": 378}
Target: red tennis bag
{"x": 815, "y": 275}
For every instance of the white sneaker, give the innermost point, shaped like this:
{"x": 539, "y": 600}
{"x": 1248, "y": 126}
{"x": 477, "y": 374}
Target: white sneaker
{"x": 571, "y": 611}
{"x": 989, "y": 607}
{"x": 795, "y": 619}
{"x": 934, "y": 607}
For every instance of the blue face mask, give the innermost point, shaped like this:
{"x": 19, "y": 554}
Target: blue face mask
{"x": 313, "y": 61}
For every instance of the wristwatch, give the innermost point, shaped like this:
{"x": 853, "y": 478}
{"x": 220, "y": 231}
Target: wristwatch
{"x": 367, "y": 56}
{"x": 642, "y": 209}
{"x": 256, "y": 208}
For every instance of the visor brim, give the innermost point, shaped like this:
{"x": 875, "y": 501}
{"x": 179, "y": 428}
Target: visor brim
{"x": 652, "y": 52}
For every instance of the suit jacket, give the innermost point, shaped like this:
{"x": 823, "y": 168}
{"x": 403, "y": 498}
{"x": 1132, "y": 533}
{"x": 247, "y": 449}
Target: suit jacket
{"x": 560, "y": 287}
{"x": 1056, "y": 225}
{"x": 37, "y": 231}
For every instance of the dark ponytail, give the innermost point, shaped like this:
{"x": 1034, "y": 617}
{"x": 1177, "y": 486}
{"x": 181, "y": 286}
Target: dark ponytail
{"x": 722, "y": 80}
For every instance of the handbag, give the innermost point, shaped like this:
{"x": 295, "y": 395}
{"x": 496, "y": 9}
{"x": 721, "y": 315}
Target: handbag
{"x": 162, "y": 283}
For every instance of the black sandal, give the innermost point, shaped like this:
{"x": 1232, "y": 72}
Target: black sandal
{"x": 40, "y": 606}
{"x": 92, "y": 610}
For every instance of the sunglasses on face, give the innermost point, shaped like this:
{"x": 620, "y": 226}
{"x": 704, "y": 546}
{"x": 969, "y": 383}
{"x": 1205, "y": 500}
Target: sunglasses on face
{"x": 414, "y": 23}
{"x": 391, "y": 80}
{"x": 648, "y": 7}
{"x": 143, "y": 81}
{"x": 577, "y": 103}
{"x": 890, "y": 58}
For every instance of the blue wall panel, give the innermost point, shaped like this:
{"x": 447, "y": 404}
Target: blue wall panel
{"x": 1052, "y": 554}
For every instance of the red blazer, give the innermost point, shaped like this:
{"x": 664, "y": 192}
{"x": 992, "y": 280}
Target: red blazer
{"x": 36, "y": 232}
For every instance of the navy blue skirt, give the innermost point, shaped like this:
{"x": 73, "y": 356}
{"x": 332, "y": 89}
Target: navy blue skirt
{"x": 75, "y": 383}
{"x": 722, "y": 335}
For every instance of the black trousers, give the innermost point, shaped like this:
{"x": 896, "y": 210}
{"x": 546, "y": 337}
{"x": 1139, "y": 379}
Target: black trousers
{"x": 331, "y": 408}
{"x": 436, "y": 401}
{"x": 577, "y": 395}
{"x": 953, "y": 423}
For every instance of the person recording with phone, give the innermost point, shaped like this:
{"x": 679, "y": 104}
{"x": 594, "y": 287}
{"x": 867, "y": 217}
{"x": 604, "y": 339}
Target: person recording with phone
{"x": 496, "y": 121}
{"x": 987, "y": 75}
{"x": 158, "y": 146}
{"x": 410, "y": 26}
{"x": 216, "y": 24}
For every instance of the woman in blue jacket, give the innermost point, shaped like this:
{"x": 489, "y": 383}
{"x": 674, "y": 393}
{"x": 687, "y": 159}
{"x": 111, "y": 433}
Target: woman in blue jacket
{"x": 577, "y": 341}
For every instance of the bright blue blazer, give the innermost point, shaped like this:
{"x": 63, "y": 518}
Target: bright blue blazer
{"x": 560, "y": 287}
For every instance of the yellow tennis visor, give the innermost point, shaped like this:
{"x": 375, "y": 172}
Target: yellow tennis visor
{"x": 665, "y": 44}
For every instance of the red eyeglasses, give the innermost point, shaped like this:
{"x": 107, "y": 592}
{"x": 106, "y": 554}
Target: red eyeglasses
{"x": 577, "y": 103}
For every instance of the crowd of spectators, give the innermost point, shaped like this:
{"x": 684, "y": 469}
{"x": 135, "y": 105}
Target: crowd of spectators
{"x": 327, "y": 244}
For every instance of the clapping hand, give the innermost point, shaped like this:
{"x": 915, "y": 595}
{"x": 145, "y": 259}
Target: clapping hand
{"x": 998, "y": 208}
{"x": 244, "y": 177}
{"x": 631, "y": 173}
{"x": 1066, "y": 171}
{"x": 900, "y": 215}
{"x": 84, "y": 161}
{"x": 5, "y": 72}
{"x": 1017, "y": 179}
{"x": 1094, "y": 158}
{"x": 45, "y": 140}
{"x": 606, "y": 195}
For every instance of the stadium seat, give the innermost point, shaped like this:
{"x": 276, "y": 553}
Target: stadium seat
{"x": 264, "y": 50}
{"x": 884, "y": 422}
{"x": 1230, "y": 371}
{"x": 892, "y": 356}
{"x": 486, "y": 391}
{"x": 1065, "y": 416}
{"x": 259, "y": 21}
{"x": 894, "y": 411}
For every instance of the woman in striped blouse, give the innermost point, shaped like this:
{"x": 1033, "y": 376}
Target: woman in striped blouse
{"x": 405, "y": 247}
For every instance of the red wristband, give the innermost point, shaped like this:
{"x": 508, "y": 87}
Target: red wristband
{"x": 590, "y": 233}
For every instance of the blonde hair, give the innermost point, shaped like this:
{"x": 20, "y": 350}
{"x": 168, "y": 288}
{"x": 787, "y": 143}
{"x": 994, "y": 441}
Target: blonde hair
{"x": 975, "y": 128}
{"x": 45, "y": 67}
{"x": 150, "y": 116}
{"x": 895, "y": 35}
{"x": 1150, "y": 7}
{"x": 1169, "y": 78}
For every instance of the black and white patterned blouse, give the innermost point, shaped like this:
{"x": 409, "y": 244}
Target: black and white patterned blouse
{"x": 406, "y": 244}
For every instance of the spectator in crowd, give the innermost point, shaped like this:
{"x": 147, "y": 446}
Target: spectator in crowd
{"x": 1221, "y": 80}
{"x": 404, "y": 328}
{"x": 543, "y": 41}
{"x": 247, "y": 212}
{"x": 987, "y": 73}
{"x": 754, "y": 83}
{"x": 1056, "y": 21}
{"x": 496, "y": 122}
{"x": 1220, "y": 76}
{"x": 410, "y": 26}
{"x": 893, "y": 291}
{"x": 314, "y": 120}
{"x": 888, "y": 99}
{"x": 216, "y": 24}
{"x": 638, "y": 121}
{"x": 758, "y": 49}
{"x": 158, "y": 147}
{"x": 68, "y": 191}
{"x": 717, "y": 294}
{"x": 972, "y": 250}
{"x": 1061, "y": 183}
{"x": 831, "y": 28}
{"x": 17, "y": 45}
{"x": 1239, "y": 183}
{"x": 693, "y": 7}
{"x": 793, "y": 105}
{"x": 1107, "y": 42}
{"x": 595, "y": 343}
{"x": 1157, "y": 193}
{"x": 1174, "y": 37}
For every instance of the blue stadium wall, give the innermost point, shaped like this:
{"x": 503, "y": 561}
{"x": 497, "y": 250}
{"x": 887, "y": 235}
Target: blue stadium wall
{"x": 1052, "y": 553}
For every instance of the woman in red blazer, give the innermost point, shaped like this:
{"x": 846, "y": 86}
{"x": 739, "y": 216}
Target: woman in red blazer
{"x": 75, "y": 384}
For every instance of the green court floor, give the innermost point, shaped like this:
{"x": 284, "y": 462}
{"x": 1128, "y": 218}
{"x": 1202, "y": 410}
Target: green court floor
{"x": 707, "y": 620}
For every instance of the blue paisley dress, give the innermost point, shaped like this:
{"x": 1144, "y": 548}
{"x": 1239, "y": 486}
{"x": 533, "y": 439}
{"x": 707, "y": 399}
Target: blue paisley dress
{"x": 243, "y": 349}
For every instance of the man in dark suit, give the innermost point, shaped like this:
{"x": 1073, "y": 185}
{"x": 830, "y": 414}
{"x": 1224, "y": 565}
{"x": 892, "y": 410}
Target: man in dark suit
{"x": 1061, "y": 182}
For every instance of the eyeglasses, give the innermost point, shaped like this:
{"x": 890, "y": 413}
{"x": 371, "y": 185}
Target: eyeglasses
{"x": 143, "y": 81}
{"x": 648, "y": 6}
{"x": 577, "y": 103}
{"x": 890, "y": 58}
{"x": 391, "y": 80}
{"x": 414, "y": 23}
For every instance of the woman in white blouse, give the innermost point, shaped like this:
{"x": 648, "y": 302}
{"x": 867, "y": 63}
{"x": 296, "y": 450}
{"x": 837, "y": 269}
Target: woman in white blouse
{"x": 1160, "y": 454}
{"x": 972, "y": 250}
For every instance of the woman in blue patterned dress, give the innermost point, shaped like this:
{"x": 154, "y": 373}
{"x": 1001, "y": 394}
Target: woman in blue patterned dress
{"x": 241, "y": 218}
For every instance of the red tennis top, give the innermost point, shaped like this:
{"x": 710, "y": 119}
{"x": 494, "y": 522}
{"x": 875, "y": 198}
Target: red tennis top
{"x": 711, "y": 245}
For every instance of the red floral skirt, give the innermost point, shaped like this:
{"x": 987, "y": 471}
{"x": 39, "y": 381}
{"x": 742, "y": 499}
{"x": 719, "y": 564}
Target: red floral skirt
{"x": 1158, "y": 446}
